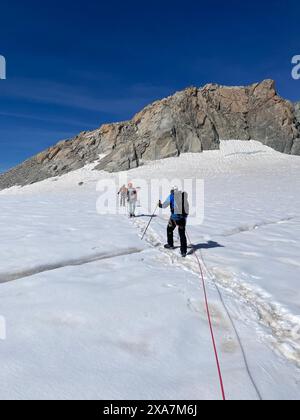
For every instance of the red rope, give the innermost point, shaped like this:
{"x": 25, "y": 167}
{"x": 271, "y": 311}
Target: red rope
{"x": 210, "y": 326}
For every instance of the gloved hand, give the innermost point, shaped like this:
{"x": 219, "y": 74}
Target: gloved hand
{"x": 160, "y": 204}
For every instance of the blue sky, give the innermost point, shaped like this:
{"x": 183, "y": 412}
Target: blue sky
{"x": 73, "y": 65}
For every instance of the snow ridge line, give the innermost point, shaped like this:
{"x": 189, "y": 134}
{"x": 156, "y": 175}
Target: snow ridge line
{"x": 250, "y": 228}
{"x": 7, "y": 277}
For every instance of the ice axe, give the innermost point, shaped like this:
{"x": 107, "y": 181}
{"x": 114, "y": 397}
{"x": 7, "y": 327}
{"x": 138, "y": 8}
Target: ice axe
{"x": 151, "y": 218}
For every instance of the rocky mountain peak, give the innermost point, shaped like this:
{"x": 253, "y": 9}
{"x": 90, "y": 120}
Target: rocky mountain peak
{"x": 190, "y": 121}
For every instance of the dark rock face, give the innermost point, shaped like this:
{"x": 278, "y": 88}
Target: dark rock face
{"x": 297, "y": 111}
{"x": 296, "y": 145}
{"x": 189, "y": 121}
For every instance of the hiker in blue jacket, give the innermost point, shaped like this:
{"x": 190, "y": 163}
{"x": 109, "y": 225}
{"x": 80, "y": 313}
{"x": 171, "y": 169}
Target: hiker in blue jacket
{"x": 179, "y": 207}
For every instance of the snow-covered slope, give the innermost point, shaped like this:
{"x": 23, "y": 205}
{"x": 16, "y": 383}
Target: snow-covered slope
{"x": 94, "y": 312}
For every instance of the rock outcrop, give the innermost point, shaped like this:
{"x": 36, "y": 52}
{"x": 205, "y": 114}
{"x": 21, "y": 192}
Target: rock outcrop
{"x": 296, "y": 146}
{"x": 189, "y": 121}
{"x": 297, "y": 110}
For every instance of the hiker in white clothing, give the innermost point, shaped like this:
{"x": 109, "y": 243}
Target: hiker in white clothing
{"x": 131, "y": 199}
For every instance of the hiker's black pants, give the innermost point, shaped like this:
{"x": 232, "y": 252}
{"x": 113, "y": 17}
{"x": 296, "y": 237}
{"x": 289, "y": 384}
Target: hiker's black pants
{"x": 181, "y": 224}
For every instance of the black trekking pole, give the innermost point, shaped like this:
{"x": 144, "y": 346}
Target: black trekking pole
{"x": 149, "y": 222}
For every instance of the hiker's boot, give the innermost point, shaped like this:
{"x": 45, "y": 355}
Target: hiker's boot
{"x": 169, "y": 246}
